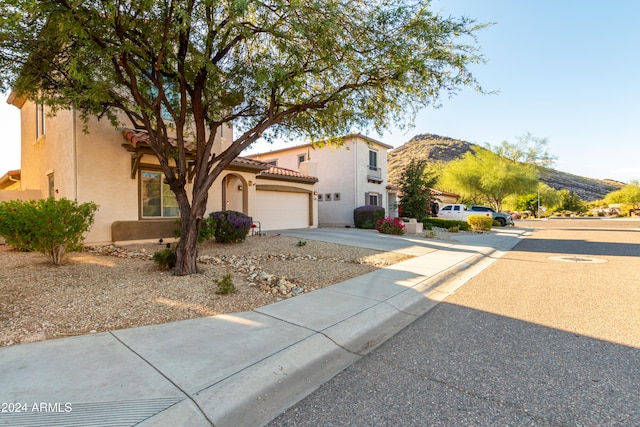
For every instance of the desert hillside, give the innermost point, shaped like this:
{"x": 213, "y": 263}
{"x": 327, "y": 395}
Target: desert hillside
{"x": 437, "y": 148}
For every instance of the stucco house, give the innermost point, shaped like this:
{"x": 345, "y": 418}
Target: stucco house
{"x": 351, "y": 175}
{"x": 116, "y": 170}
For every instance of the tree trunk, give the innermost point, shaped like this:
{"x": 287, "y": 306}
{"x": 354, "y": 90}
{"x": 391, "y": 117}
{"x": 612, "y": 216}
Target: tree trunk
{"x": 187, "y": 248}
{"x": 187, "y": 251}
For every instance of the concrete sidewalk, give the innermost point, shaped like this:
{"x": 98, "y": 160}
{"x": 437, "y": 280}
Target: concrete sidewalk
{"x": 245, "y": 368}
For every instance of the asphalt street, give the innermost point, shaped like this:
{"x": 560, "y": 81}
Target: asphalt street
{"x": 548, "y": 335}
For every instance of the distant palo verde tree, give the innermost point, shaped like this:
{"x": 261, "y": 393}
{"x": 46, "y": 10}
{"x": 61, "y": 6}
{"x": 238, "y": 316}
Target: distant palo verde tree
{"x": 271, "y": 68}
{"x": 483, "y": 175}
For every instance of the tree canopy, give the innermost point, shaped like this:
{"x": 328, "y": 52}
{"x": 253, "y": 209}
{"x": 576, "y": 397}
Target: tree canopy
{"x": 629, "y": 194}
{"x": 528, "y": 149}
{"x": 184, "y": 68}
{"x": 485, "y": 177}
{"x": 416, "y": 183}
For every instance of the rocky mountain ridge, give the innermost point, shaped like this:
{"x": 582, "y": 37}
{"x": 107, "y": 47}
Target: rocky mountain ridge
{"x": 436, "y": 148}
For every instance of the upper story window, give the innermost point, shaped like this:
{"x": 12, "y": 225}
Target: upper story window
{"x": 373, "y": 160}
{"x": 301, "y": 158}
{"x": 40, "y": 116}
{"x": 156, "y": 198}
{"x": 272, "y": 162}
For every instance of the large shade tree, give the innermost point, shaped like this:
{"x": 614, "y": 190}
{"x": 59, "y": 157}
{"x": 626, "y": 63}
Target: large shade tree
{"x": 270, "y": 68}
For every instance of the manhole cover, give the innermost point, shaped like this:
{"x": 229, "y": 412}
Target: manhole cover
{"x": 582, "y": 259}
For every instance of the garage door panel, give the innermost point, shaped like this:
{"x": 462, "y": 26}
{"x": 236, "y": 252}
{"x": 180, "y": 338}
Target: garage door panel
{"x": 277, "y": 210}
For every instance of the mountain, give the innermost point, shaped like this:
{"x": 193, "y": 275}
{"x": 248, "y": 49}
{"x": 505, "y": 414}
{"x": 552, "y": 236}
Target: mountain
{"x": 436, "y": 148}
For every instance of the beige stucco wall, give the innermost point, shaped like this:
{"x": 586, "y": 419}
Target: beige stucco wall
{"x": 91, "y": 167}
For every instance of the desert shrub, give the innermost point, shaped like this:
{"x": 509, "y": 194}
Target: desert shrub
{"x": 207, "y": 230}
{"x": 165, "y": 259}
{"x": 480, "y": 222}
{"x": 49, "y": 226}
{"x": 446, "y": 223}
{"x": 367, "y": 216}
{"x": 390, "y": 225}
{"x": 230, "y": 226}
{"x": 225, "y": 285}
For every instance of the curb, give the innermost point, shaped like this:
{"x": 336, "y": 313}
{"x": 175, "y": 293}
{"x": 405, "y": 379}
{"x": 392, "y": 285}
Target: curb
{"x": 288, "y": 376}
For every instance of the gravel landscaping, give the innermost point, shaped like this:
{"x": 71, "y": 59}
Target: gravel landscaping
{"x": 108, "y": 287}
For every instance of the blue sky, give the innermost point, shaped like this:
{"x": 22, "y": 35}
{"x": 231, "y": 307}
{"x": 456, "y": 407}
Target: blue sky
{"x": 566, "y": 70}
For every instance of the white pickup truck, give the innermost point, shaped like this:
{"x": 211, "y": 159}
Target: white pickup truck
{"x": 462, "y": 212}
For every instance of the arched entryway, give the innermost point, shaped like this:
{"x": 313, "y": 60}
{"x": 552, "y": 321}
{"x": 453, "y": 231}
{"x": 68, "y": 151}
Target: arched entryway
{"x": 235, "y": 193}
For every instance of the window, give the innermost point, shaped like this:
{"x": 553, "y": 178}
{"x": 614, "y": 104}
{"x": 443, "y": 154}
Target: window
{"x": 157, "y": 199}
{"x": 272, "y": 162}
{"x": 52, "y": 186}
{"x": 373, "y": 160}
{"x": 447, "y": 208}
{"x": 40, "y": 116}
{"x": 336, "y": 197}
{"x": 456, "y": 208}
{"x": 301, "y": 158}
{"x": 327, "y": 197}
{"x": 372, "y": 199}
{"x": 319, "y": 197}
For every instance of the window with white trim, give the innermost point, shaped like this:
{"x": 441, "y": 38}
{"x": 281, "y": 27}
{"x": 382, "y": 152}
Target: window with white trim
{"x": 156, "y": 198}
{"x": 40, "y": 116}
{"x": 372, "y": 199}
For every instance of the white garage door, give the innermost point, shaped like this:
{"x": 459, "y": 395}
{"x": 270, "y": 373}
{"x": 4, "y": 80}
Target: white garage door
{"x": 277, "y": 210}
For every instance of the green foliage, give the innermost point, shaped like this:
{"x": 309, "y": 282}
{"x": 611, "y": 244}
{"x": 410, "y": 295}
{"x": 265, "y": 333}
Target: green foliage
{"x": 569, "y": 201}
{"x": 629, "y": 194}
{"x": 446, "y": 223}
{"x": 484, "y": 175}
{"x": 453, "y": 229}
{"x": 367, "y": 216}
{"x": 165, "y": 259}
{"x": 301, "y": 243}
{"x": 277, "y": 69}
{"x": 390, "y": 225}
{"x": 415, "y": 184}
{"x": 528, "y": 149}
{"x": 230, "y": 226}
{"x": 207, "y": 229}
{"x": 480, "y": 222}
{"x": 225, "y": 285}
{"x": 49, "y": 226}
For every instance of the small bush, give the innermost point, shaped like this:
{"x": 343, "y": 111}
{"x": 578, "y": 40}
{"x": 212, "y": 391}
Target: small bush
{"x": 230, "y": 226}
{"x": 446, "y": 223}
{"x": 391, "y": 226}
{"x": 207, "y": 230}
{"x": 165, "y": 259}
{"x": 301, "y": 243}
{"x": 49, "y": 226}
{"x": 480, "y": 222}
{"x": 225, "y": 285}
{"x": 453, "y": 229}
{"x": 367, "y": 216}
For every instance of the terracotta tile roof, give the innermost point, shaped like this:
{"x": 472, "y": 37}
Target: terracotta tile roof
{"x": 250, "y": 162}
{"x": 275, "y": 171}
{"x": 139, "y": 138}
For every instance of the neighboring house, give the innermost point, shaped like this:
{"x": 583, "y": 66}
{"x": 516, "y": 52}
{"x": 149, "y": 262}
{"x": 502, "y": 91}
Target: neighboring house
{"x": 444, "y": 197}
{"x": 10, "y": 180}
{"x": 117, "y": 171}
{"x": 351, "y": 175}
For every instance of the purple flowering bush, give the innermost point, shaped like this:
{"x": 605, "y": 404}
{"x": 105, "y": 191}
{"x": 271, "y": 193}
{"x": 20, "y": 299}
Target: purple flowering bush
{"x": 230, "y": 226}
{"x": 391, "y": 226}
